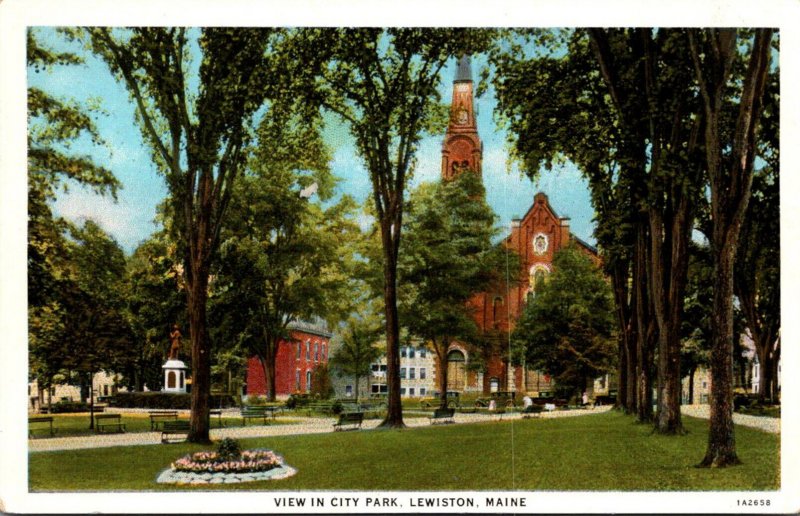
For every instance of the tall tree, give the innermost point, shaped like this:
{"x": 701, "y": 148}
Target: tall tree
{"x": 196, "y": 126}
{"x": 446, "y": 258}
{"x": 96, "y": 334}
{"x": 155, "y": 302}
{"x": 53, "y": 124}
{"x": 756, "y": 280}
{"x": 566, "y": 330}
{"x": 730, "y": 155}
{"x": 284, "y": 256}
{"x": 383, "y": 83}
{"x": 358, "y": 348}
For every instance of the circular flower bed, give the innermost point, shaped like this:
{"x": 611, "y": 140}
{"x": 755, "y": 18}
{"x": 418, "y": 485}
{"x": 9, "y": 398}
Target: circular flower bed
{"x": 249, "y": 461}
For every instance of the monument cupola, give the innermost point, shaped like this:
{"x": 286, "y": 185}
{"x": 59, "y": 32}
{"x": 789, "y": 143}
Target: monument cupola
{"x": 462, "y": 149}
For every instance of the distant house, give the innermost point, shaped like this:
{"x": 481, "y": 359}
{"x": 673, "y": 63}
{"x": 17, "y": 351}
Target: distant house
{"x": 308, "y": 347}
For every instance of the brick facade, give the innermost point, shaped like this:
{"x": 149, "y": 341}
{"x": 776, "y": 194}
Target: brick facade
{"x": 308, "y": 347}
{"x": 535, "y": 238}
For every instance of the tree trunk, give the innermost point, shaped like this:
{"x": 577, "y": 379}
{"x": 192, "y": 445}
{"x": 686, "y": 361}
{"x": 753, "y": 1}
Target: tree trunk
{"x": 201, "y": 357}
{"x": 644, "y": 331}
{"x": 691, "y": 385}
{"x": 91, "y": 401}
{"x": 721, "y": 440}
{"x": 357, "y": 391}
{"x": 442, "y": 358}
{"x": 774, "y": 388}
{"x": 394, "y": 414}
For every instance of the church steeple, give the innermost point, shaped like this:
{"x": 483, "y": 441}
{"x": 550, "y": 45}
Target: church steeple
{"x": 462, "y": 149}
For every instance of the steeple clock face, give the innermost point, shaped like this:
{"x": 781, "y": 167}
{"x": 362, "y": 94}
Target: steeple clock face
{"x": 462, "y": 117}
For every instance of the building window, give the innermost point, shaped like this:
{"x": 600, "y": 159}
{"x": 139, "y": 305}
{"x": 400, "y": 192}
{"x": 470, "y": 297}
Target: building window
{"x": 403, "y": 352}
{"x": 402, "y": 373}
{"x": 308, "y": 350}
{"x": 323, "y": 352}
{"x": 421, "y": 373}
{"x": 308, "y": 381}
{"x": 299, "y": 349}
{"x": 297, "y": 379}
{"x": 423, "y": 391}
{"x": 379, "y": 388}
{"x": 105, "y": 390}
{"x": 316, "y": 352}
{"x": 411, "y": 373}
{"x": 423, "y": 352}
{"x": 411, "y": 391}
{"x": 402, "y": 391}
{"x": 410, "y": 352}
{"x": 348, "y": 390}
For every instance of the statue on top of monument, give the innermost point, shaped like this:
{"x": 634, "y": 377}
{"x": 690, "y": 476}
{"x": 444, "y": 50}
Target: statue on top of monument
{"x": 175, "y": 342}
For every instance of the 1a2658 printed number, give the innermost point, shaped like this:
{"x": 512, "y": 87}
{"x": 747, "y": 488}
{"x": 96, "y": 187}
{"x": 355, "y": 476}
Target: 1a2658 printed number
{"x": 752, "y": 502}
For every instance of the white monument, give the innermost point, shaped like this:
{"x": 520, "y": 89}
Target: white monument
{"x": 174, "y": 376}
{"x": 174, "y": 368}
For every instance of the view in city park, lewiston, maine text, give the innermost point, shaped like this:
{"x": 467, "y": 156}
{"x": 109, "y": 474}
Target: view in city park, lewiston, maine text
{"x": 675, "y": 131}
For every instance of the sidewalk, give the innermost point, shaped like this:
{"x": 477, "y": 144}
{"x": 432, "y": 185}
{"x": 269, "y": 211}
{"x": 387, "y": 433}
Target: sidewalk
{"x": 771, "y": 425}
{"x": 305, "y": 426}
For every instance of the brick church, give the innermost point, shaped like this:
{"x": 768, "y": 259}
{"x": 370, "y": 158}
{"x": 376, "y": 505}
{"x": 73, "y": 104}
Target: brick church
{"x": 535, "y": 238}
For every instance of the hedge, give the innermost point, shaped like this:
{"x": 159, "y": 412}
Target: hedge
{"x": 164, "y": 400}
{"x": 62, "y": 407}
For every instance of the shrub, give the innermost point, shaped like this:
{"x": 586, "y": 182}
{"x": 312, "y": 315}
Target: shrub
{"x": 229, "y": 449}
{"x": 63, "y": 407}
{"x": 164, "y": 400}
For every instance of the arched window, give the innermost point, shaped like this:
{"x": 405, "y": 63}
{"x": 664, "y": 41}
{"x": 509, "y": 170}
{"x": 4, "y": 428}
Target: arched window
{"x": 308, "y": 381}
{"x": 316, "y": 351}
{"x": 497, "y": 305}
{"x": 537, "y": 278}
{"x": 308, "y": 350}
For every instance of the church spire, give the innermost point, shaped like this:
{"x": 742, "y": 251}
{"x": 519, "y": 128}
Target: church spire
{"x": 464, "y": 69}
{"x": 462, "y": 149}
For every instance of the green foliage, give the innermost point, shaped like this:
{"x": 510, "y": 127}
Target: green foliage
{"x": 357, "y": 344}
{"x": 321, "y": 385}
{"x": 229, "y": 449}
{"x": 283, "y": 257}
{"x": 566, "y": 330}
{"x": 446, "y": 258}
{"x": 163, "y": 400}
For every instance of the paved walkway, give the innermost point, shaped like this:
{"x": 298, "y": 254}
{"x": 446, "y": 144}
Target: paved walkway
{"x": 305, "y": 425}
{"x": 765, "y": 424}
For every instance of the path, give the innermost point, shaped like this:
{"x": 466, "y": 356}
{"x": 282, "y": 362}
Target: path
{"x": 305, "y": 426}
{"x": 765, "y": 424}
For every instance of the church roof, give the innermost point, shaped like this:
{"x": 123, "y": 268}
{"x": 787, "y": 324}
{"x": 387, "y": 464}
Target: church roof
{"x": 464, "y": 70}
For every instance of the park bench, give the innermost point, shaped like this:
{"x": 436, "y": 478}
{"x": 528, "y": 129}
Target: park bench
{"x": 256, "y": 412}
{"x": 160, "y": 416}
{"x": 443, "y": 415}
{"x": 176, "y": 427}
{"x": 323, "y": 407}
{"x": 39, "y": 420}
{"x": 532, "y": 411}
{"x": 349, "y": 421}
{"x": 105, "y": 421}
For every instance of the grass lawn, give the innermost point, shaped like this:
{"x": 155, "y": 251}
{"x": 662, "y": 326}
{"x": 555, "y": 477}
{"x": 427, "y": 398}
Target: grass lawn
{"x": 69, "y": 425}
{"x": 605, "y": 451}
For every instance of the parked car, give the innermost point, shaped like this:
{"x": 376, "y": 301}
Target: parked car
{"x": 501, "y": 399}
{"x": 434, "y": 400}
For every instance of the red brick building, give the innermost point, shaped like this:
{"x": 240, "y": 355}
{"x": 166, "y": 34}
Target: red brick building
{"x": 308, "y": 347}
{"x": 535, "y": 238}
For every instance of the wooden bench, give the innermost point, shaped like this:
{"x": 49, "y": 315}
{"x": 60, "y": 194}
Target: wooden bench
{"x": 349, "y": 421}
{"x": 443, "y": 415}
{"x": 104, "y": 421}
{"x": 176, "y": 427}
{"x": 256, "y": 412}
{"x": 323, "y": 407}
{"x": 532, "y": 411}
{"x": 218, "y": 413}
{"x": 160, "y": 416}
{"x": 38, "y": 420}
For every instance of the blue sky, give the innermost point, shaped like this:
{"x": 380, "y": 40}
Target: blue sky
{"x": 130, "y": 219}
